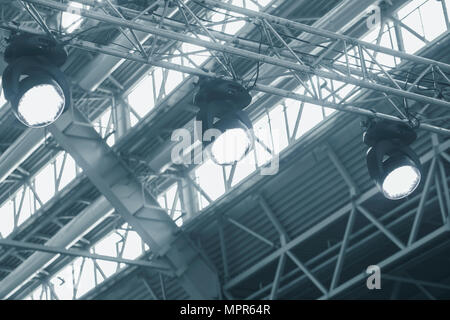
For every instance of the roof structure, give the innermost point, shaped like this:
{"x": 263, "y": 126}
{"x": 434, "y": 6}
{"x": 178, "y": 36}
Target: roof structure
{"x": 95, "y": 206}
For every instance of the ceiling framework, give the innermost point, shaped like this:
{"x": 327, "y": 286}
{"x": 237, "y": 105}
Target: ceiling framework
{"x": 413, "y": 91}
{"x": 360, "y": 75}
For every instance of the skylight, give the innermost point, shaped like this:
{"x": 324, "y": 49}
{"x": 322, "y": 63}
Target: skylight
{"x": 424, "y": 21}
{"x": 69, "y": 21}
{"x": 83, "y": 274}
{"x": 27, "y": 200}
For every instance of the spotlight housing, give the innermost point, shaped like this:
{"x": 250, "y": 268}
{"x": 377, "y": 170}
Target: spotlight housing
{"x": 221, "y": 105}
{"x": 32, "y": 82}
{"x": 393, "y": 165}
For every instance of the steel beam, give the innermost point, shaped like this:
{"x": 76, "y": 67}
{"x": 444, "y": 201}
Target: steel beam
{"x": 66, "y": 237}
{"x": 352, "y": 248}
{"x": 223, "y": 248}
{"x": 343, "y": 249}
{"x": 415, "y": 281}
{"x": 382, "y": 228}
{"x": 420, "y": 208}
{"x": 149, "y": 288}
{"x": 335, "y": 247}
{"x": 80, "y": 253}
{"x": 342, "y": 170}
{"x": 251, "y": 232}
{"x": 307, "y": 273}
{"x": 121, "y": 116}
{"x": 273, "y": 219}
{"x": 388, "y": 261}
{"x": 278, "y": 274}
{"x": 135, "y": 204}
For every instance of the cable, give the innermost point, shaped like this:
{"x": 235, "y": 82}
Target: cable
{"x": 258, "y": 62}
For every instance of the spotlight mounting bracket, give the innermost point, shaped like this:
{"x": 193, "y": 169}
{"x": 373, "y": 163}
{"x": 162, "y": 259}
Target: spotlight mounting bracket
{"x": 388, "y": 130}
{"x": 223, "y": 100}
{"x": 227, "y": 92}
{"x": 37, "y": 46}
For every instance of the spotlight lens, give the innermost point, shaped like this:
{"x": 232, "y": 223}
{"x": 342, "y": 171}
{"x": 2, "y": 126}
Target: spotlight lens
{"x": 231, "y": 146}
{"x": 401, "y": 182}
{"x": 41, "y": 105}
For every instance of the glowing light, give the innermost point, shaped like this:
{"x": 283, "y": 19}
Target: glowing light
{"x": 41, "y": 105}
{"x": 231, "y": 146}
{"x": 401, "y": 182}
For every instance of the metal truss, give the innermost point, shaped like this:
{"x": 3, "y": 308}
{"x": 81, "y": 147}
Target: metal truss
{"x": 79, "y": 253}
{"x": 378, "y": 78}
{"x": 338, "y": 252}
{"x": 336, "y": 255}
{"x": 357, "y": 66}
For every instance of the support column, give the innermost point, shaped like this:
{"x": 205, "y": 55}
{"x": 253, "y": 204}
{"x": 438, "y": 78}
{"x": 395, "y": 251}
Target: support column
{"x": 121, "y": 116}
{"x": 135, "y": 204}
{"x": 188, "y": 198}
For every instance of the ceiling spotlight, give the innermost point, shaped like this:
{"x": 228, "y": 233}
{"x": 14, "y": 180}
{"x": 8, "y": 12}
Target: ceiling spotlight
{"x": 392, "y": 164}
{"x": 221, "y": 105}
{"x": 32, "y": 82}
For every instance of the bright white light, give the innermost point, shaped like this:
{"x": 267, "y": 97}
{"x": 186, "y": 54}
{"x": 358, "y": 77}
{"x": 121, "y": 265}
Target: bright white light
{"x": 41, "y": 105}
{"x": 231, "y": 146}
{"x": 401, "y": 182}
{"x": 69, "y": 21}
{"x": 2, "y": 95}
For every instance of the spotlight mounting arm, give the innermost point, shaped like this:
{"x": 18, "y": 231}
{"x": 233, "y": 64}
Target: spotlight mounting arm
{"x": 388, "y": 130}
{"x": 36, "y": 46}
{"x": 230, "y": 93}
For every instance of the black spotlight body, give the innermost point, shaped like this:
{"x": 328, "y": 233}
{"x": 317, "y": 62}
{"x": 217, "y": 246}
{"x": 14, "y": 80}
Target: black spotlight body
{"x": 223, "y": 100}
{"x": 389, "y": 150}
{"x": 34, "y": 60}
{"x": 221, "y": 104}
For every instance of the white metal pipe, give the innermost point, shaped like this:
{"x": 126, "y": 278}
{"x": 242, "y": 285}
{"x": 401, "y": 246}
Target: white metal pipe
{"x": 67, "y": 236}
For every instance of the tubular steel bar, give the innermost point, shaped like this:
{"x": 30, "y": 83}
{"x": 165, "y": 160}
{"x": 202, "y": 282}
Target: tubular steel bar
{"x": 342, "y": 250}
{"x": 382, "y": 228}
{"x": 68, "y": 235}
{"x": 256, "y": 56}
{"x": 80, "y": 253}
